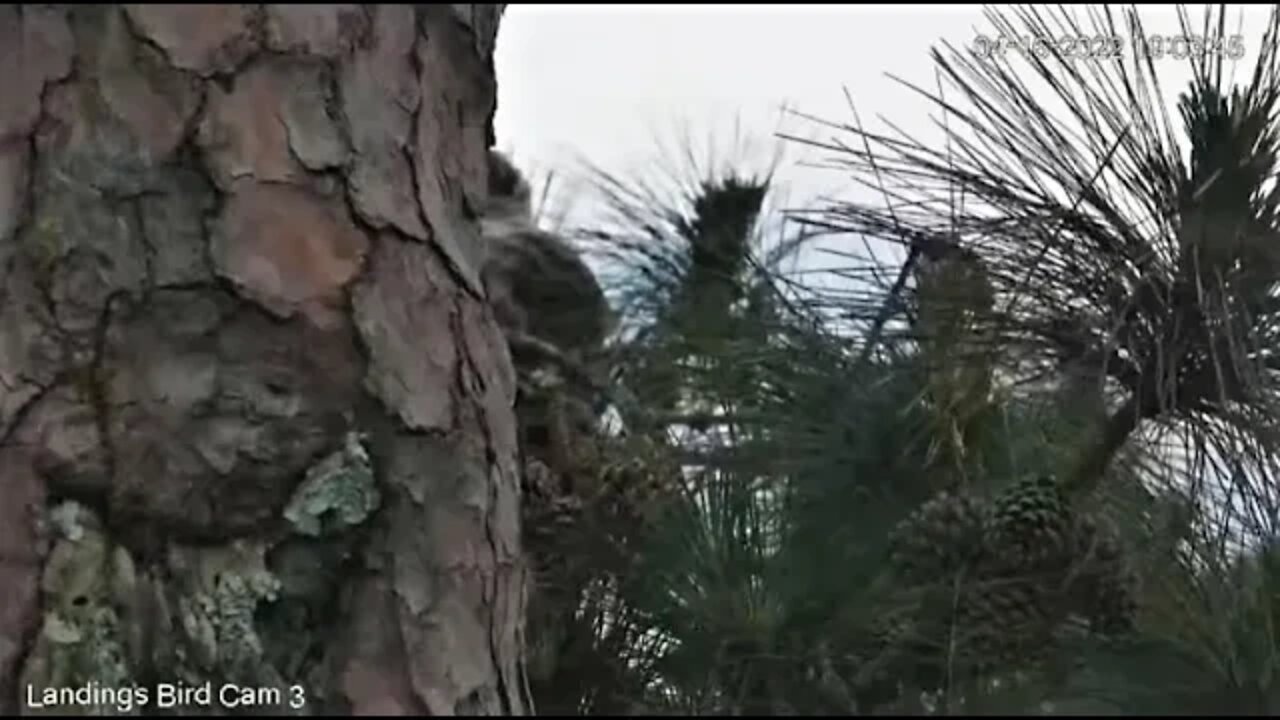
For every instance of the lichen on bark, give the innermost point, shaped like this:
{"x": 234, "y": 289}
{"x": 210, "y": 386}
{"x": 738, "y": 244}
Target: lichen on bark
{"x": 86, "y": 580}
{"x": 232, "y": 239}
{"x": 339, "y": 492}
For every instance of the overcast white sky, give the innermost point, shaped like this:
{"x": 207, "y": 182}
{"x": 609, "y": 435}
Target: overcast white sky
{"x": 601, "y": 82}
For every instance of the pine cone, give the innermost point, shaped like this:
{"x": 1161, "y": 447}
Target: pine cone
{"x": 1004, "y": 623}
{"x": 1031, "y": 528}
{"x": 939, "y": 539}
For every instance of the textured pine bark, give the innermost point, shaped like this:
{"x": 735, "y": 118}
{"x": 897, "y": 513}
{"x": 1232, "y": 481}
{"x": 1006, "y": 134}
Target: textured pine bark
{"x": 233, "y": 238}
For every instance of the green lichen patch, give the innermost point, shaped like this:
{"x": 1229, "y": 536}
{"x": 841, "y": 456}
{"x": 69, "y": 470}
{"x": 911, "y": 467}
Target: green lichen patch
{"x": 338, "y": 492}
{"x": 222, "y": 589}
{"x": 85, "y": 581}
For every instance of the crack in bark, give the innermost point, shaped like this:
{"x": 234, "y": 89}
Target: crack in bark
{"x": 411, "y": 151}
{"x": 26, "y": 206}
{"x": 376, "y": 235}
{"x": 142, "y": 38}
{"x": 329, "y": 106}
{"x": 467, "y": 361}
{"x": 410, "y": 148}
{"x": 60, "y": 379}
{"x": 209, "y": 219}
{"x": 99, "y": 396}
{"x": 188, "y": 146}
{"x": 331, "y": 83}
{"x": 150, "y": 250}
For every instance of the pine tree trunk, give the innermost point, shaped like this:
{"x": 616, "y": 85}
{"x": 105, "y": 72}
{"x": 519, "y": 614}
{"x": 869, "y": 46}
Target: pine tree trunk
{"x": 256, "y": 419}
